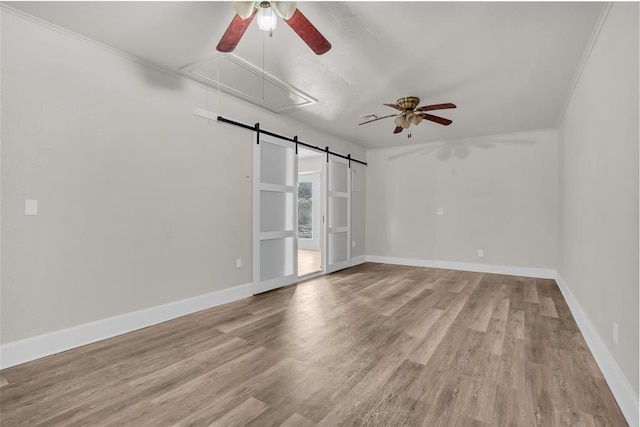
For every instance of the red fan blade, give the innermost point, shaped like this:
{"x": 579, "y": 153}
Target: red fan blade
{"x": 394, "y": 106}
{"x": 308, "y": 33}
{"x": 435, "y": 107}
{"x": 234, "y": 33}
{"x": 398, "y": 129}
{"x": 441, "y": 120}
{"x": 379, "y": 118}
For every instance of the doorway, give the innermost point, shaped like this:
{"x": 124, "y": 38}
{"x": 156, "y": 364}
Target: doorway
{"x": 310, "y": 212}
{"x": 324, "y": 223}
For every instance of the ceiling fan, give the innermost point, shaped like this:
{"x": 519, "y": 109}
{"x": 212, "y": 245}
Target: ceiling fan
{"x": 410, "y": 113}
{"x": 264, "y": 10}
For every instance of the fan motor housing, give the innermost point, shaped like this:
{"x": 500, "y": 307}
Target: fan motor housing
{"x": 408, "y": 102}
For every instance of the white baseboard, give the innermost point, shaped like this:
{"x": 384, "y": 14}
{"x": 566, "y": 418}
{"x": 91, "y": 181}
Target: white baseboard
{"x": 358, "y": 260}
{"x": 541, "y": 273}
{"x": 618, "y": 383}
{"x": 22, "y": 351}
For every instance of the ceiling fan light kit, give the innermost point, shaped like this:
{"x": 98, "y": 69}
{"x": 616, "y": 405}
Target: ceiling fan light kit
{"x": 400, "y": 121}
{"x": 244, "y": 9}
{"x": 266, "y": 18}
{"x": 411, "y": 114}
{"x": 415, "y": 119}
{"x": 266, "y": 12}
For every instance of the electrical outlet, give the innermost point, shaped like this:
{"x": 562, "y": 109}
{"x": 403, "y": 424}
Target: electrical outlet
{"x": 30, "y": 207}
{"x": 238, "y": 262}
{"x": 480, "y": 253}
{"x": 615, "y": 333}
{"x": 353, "y": 244}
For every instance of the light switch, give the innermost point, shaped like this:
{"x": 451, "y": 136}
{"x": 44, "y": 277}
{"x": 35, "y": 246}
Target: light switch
{"x": 30, "y": 207}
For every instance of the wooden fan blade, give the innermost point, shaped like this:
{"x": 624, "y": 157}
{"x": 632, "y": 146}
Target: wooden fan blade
{"x": 234, "y": 33}
{"x": 436, "y": 107}
{"x": 398, "y": 129}
{"x": 394, "y": 106}
{"x": 308, "y": 33}
{"x": 441, "y": 120}
{"x": 379, "y": 118}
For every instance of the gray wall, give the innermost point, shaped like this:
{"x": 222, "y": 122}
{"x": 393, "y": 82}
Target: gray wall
{"x": 598, "y": 227}
{"x": 499, "y": 194}
{"x": 141, "y": 202}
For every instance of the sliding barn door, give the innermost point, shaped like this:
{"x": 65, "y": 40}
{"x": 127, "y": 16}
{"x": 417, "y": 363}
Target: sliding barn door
{"x": 338, "y": 210}
{"x": 275, "y": 242}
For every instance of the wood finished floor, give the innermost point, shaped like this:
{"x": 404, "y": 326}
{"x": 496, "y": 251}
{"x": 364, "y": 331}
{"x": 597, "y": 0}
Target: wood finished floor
{"x": 309, "y": 262}
{"x": 372, "y": 345}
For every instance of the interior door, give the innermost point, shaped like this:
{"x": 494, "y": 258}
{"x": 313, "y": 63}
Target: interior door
{"x": 275, "y": 242}
{"x": 338, "y": 210}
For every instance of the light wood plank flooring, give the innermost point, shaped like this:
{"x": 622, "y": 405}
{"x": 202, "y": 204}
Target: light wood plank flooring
{"x": 372, "y": 345}
{"x": 309, "y": 262}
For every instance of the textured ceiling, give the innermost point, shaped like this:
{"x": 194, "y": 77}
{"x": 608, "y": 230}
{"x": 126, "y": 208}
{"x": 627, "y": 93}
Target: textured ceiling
{"x": 508, "y": 66}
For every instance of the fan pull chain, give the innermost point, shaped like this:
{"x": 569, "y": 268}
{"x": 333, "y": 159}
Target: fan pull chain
{"x": 263, "y": 66}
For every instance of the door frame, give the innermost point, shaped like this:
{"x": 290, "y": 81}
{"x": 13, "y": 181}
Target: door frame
{"x": 326, "y": 230}
{"x": 314, "y": 243}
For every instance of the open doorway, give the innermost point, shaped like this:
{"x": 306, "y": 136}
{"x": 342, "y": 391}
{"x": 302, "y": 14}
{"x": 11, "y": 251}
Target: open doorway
{"x": 310, "y": 212}
{"x": 325, "y": 217}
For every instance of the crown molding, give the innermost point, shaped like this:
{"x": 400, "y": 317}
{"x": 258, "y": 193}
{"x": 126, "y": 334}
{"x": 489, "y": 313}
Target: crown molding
{"x": 583, "y": 62}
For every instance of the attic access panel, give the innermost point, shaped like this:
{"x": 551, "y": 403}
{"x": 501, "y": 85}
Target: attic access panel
{"x": 245, "y": 81}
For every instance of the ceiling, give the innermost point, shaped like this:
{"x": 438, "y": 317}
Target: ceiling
{"x": 509, "y": 66}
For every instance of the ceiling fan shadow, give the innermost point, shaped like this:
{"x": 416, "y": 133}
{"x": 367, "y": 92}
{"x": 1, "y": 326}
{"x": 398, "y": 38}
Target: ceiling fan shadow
{"x": 407, "y": 153}
{"x": 459, "y": 149}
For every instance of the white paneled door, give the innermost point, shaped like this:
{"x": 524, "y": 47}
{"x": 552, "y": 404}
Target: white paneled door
{"x": 275, "y": 244}
{"x": 338, "y": 210}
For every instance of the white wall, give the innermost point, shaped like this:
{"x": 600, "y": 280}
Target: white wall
{"x": 141, "y": 202}
{"x": 499, "y": 194}
{"x": 598, "y": 226}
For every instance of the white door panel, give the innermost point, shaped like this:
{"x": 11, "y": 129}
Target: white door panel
{"x": 338, "y": 247}
{"x": 275, "y": 214}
